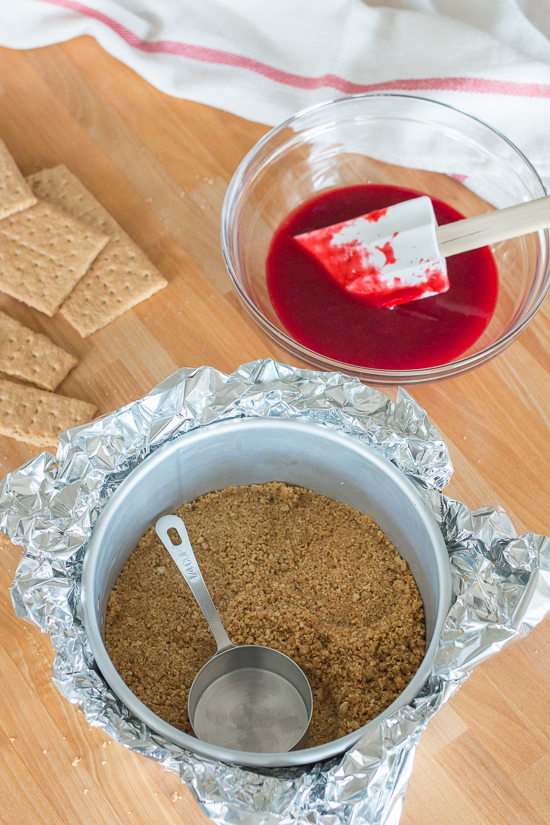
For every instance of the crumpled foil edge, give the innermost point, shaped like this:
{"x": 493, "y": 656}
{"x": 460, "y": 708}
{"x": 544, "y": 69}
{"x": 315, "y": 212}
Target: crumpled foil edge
{"x": 501, "y": 581}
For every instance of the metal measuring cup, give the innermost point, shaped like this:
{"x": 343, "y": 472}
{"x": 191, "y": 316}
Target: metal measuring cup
{"x": 246, "y": 697}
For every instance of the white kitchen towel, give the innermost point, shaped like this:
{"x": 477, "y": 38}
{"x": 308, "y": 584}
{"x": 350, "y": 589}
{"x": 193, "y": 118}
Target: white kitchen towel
{"x": 266, "y": 59}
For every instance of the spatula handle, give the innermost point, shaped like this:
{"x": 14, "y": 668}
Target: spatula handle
{"x": 472, "y": 233}
{"x": 188, "y": 566}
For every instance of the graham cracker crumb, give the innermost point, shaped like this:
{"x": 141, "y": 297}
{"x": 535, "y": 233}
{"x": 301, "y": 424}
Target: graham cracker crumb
{"x": 283, "y": 565}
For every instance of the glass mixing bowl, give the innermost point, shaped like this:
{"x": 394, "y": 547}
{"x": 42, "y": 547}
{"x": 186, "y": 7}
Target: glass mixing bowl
{"x": 391, "y": 139}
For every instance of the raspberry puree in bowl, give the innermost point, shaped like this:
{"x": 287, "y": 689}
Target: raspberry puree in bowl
{"x": 322, "y": 316}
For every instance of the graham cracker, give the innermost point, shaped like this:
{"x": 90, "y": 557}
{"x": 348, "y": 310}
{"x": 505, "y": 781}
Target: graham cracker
{"x": 31, "y": 356}
{"x": 38, "y": 417}
{"x": 15, "y": 193}
{"x": 121, "y": 276}
{"x": 43, "y": 253}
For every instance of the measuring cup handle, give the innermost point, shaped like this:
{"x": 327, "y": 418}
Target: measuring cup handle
{"x": 187, "y": 565}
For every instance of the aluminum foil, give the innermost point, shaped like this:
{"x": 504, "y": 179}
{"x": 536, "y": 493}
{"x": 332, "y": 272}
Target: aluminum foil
{"x": 50, "y": 506}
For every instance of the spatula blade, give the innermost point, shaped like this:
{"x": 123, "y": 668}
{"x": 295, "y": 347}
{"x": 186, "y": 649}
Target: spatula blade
{"x": 386, "y": 257}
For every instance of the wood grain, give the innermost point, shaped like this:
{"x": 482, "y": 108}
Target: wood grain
{"x": 161, "y": 166}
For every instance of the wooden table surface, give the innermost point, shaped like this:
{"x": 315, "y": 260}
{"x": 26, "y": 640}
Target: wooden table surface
{"x": 161, "y": 167}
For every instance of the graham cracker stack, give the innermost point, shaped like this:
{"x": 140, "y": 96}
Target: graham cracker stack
{"x": 38, "y": 417}
{"x": 43, "y": 254}
{"x": 31, "y": 356}
{"x": 121, "y": 276}
{"x": 15, "y": 193}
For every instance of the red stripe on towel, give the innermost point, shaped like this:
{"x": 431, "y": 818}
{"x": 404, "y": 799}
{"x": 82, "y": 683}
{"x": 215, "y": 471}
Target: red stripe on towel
{"x": 474, "y": 85}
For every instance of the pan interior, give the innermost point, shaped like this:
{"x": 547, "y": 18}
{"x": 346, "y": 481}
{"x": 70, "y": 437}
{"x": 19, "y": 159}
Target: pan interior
{"x": 256, "y": 451}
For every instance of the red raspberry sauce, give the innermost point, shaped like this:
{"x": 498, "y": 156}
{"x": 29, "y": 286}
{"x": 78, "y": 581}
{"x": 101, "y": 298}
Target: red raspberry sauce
{"x": 322, "y": 316}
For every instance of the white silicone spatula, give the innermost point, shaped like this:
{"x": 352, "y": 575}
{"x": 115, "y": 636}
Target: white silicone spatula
{"x": 395, "y": 255}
